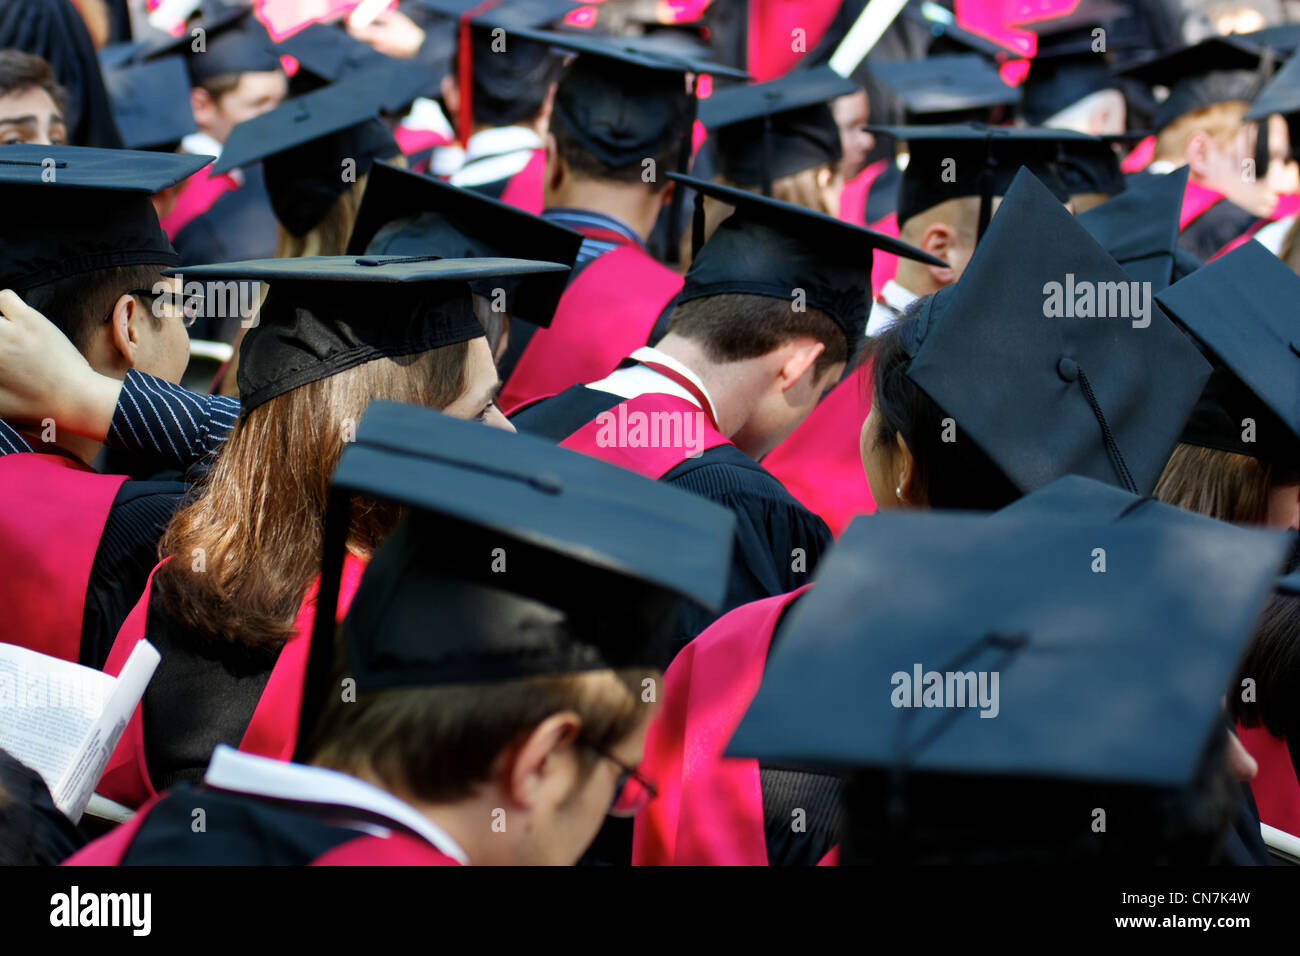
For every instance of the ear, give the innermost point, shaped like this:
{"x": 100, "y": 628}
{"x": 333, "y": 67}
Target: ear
{"x": 544, "y": 116}
{"x": 530, "y": 766}
{"x": 450, "y": 91}
{"x": 940, "y": 240}
{"x": 905, "y": 472}
{"x": 799, "y": 358}
{"x": 202, "y": 105}
{"x": 124, "y": 329}
{"x": 555, "y": 171}
{"x": 1197, "y": 153}
{"x": 667, "y": 196}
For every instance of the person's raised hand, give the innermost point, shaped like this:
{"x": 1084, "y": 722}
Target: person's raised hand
{"x": 391, "y": 33}
{"x": 43, "y": 376}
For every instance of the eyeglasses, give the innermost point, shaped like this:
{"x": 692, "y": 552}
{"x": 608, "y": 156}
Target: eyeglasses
{"x": 633, "y": 791}
{"x": 185, "y": 307}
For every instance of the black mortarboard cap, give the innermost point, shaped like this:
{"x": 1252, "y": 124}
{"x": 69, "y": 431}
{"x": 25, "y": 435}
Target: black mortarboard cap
{"x": 1284, "y": 38}
{"x": 1240, "y": 307}
{"x": 1139, "y": 227}
{"x": 504, "y": 68}
{"x": 1281, "y": 94}
{"x": 509, "y": 14}
{"x": 304, "y": 142}
{"x": 1042, "y": 389}
{"x": 771, "y": 248}
{"x": 326, "y": 314}
{"x": 957, "y": 160}
{"x": 151, "y": 102}
{"x": 593, "y": 559}
{"x": 1066, "y": 66}
{"x": 1216, "y": 70}
{"x": 1076, "y": 498}
{"x": 765, "y": 131}
{"x": 947, "y": 36}
{"x": 1094, "y": 167}
{"x": 327, "y": 54}
{"x": 624, "y": 102}
{"x": 1073, "y": 649}
{"x": 114, "y": 55}
{"x": 629, "y": 51}
{"x": 942, "y": 88}
{"x": 78, "y": 209}
{"x": 223, "y": 39}
{"x": 403, "y": 213}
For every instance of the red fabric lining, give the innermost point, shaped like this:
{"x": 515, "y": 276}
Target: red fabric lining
{"x": 605, "y": 314}
{"x": 648, "y": 461}
{"x": 49, "y": 533}
{"x": 710, "y": 809}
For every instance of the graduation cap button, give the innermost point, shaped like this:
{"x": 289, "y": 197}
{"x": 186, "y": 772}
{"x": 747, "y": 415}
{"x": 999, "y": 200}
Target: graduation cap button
{"x": 1068, "y": 369}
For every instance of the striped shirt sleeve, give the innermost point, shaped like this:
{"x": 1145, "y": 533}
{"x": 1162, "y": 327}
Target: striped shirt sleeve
{"x": 158, "y": 420}
{"x": 11, "y": 443}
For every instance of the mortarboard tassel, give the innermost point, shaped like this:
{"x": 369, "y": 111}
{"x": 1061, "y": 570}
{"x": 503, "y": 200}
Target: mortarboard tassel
{"x": 1261, "y": 140}
{"x": 317, "y": 677}
{"x": 1108, "y": 437}
{"x": 986, "y": 187}
{"x": 673, "y": 253}
{"x": 465, "y": 71}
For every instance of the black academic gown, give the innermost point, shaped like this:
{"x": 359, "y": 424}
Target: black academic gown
{"x": 772, "y": 528}
{"x": 127, "y": 553}
{"x": 33, "y": 832}
{"x": 242, "y": 829}
{"x": 1207, "y": 234}
{"x": 204, "y": 693}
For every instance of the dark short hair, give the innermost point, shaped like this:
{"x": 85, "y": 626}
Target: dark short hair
{"x": 735, "y": 326}
{"x": 1272, "y": 661}
{"x": 77, "y": 304}
{"x": 527, "y": 74}
{"x": 219, "y": 85}
{"x": 578, "y": 158}
{"x": 952, "y": 474}
{"x": 22, "y": 71}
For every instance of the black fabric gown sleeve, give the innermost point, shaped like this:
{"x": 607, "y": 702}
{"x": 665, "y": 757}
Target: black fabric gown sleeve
{"x": 778, "y": 541}
{"x": 33, "y": 831}
{"x": 128, "y": 551}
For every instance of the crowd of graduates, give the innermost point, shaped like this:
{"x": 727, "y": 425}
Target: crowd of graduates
{"x": 543, "y": 433}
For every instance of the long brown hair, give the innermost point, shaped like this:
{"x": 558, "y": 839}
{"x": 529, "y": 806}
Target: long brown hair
{"x": 246, "y": 550}
{"x": 1220, "y": 484}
